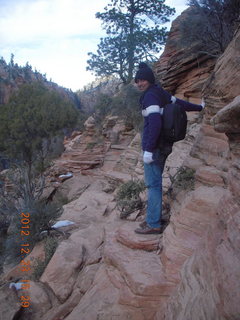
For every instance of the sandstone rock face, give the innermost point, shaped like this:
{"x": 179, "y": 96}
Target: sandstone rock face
{"x": 91, "y": 149}
{"x": 227, "y": 119}
{"x": 223, "y": 85}
{"x": 10, "y": 304}
{"x": 39, "y": 298}
{"x": 209, "y": 282}
{"x": 183, "y": 70}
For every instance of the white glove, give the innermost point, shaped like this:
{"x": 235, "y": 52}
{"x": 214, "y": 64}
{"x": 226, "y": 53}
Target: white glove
{"x": 147, "y": 157}
{"x": 203, "y": 103}
{"x": 173, "y": 99}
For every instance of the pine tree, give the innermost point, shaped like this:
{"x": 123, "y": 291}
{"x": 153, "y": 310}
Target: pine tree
{"x": 133, "y": 34}
{"x": 33, "y": 115}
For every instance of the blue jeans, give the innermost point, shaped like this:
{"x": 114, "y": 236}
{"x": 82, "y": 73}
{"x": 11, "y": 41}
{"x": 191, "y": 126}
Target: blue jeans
{"x": 153, "y": 181}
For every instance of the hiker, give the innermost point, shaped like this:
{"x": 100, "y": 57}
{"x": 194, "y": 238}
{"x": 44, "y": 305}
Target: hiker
{"x": 155, "y": 151}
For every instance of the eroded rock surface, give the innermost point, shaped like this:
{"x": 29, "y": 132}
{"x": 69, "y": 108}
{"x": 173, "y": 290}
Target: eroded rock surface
{"x": 209, "y": 282}
{"x": 183, "y": 70}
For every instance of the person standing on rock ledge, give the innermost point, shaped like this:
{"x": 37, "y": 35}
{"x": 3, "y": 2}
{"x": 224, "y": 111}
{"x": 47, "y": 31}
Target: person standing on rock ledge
{"x": 154, "y": 157}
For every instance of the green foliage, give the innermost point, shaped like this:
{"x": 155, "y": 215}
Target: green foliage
{"x": 13, "y": 71}
{"x": 125, "y": 104}
{"x": 184, "y": 179}
{"x": 38, "y": 267}
{"x": 103, "y": 107}
{"x": 24, "y": 199}
{"x": 33, "y": 115}
{"x": 82, "y": 117}
{"x": 41, "y": 217}
{"x": 50, "y": 246}
{"x": 211, "y": 23}
{"x": 89, "y": 95}
{"x": 128, "y": 197}
{"x": 91, "y": 145}
{"x": 130, "y": 189}
{"x": 133, "y": 35}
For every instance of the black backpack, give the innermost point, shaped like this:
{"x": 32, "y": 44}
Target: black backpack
{"x": 174, "y": 123}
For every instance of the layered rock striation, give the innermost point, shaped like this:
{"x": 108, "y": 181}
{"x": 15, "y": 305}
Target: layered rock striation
{"x": 183, "y": 70}
{"x": 209, "y": 278}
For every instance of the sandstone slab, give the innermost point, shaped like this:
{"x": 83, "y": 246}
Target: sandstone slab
{"x": 149, "y": 280}
{"x": 101, "y": 302}
{"x": 61, "y": 272}
{"x": 10, "y": 304}
{"x": 126, "y": 236}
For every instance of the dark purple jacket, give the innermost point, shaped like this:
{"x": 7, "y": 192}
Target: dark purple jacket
{"x": 151, "y": 101}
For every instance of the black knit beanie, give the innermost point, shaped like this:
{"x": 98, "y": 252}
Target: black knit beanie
{"x": 145, "y": 73}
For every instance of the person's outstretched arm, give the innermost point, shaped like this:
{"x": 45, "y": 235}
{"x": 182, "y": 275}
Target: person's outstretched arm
{"x": 188, "y": 106}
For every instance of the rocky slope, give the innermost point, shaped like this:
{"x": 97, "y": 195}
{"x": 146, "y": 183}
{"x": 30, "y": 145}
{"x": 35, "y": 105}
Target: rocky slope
{"x": 102, "y": 269}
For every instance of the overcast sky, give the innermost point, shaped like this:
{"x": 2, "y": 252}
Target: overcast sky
{"x": 54, "y": 36}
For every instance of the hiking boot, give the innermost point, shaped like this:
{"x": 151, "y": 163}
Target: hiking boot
{"x": 143, "y": 224}
{"x": 146, "y": 229}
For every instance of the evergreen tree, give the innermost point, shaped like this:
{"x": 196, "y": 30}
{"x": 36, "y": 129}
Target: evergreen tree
{"x": 33, "y": 115}
{"x": 133, "y": 34}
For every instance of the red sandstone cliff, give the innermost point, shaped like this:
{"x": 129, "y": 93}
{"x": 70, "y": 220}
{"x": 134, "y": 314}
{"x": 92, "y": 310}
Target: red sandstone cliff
{"x": 183, "y": 71}
{"x": 209, "y": 286}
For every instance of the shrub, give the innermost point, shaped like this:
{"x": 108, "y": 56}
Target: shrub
{"x": 24, "y": 199}
{"x": 128, "y": 197}
{"x": 102, "y": 108}
{"x": 32, "y": 117}
{"x": 184, "y": 179}
{"x": 41, "y": 217}
{"x": 126, "y": 105}
{"x": 50, "y": 246}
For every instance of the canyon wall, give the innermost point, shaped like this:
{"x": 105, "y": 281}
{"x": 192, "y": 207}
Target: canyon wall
{"x": 183, "y": 70}
{"x": 209, "y": 285}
